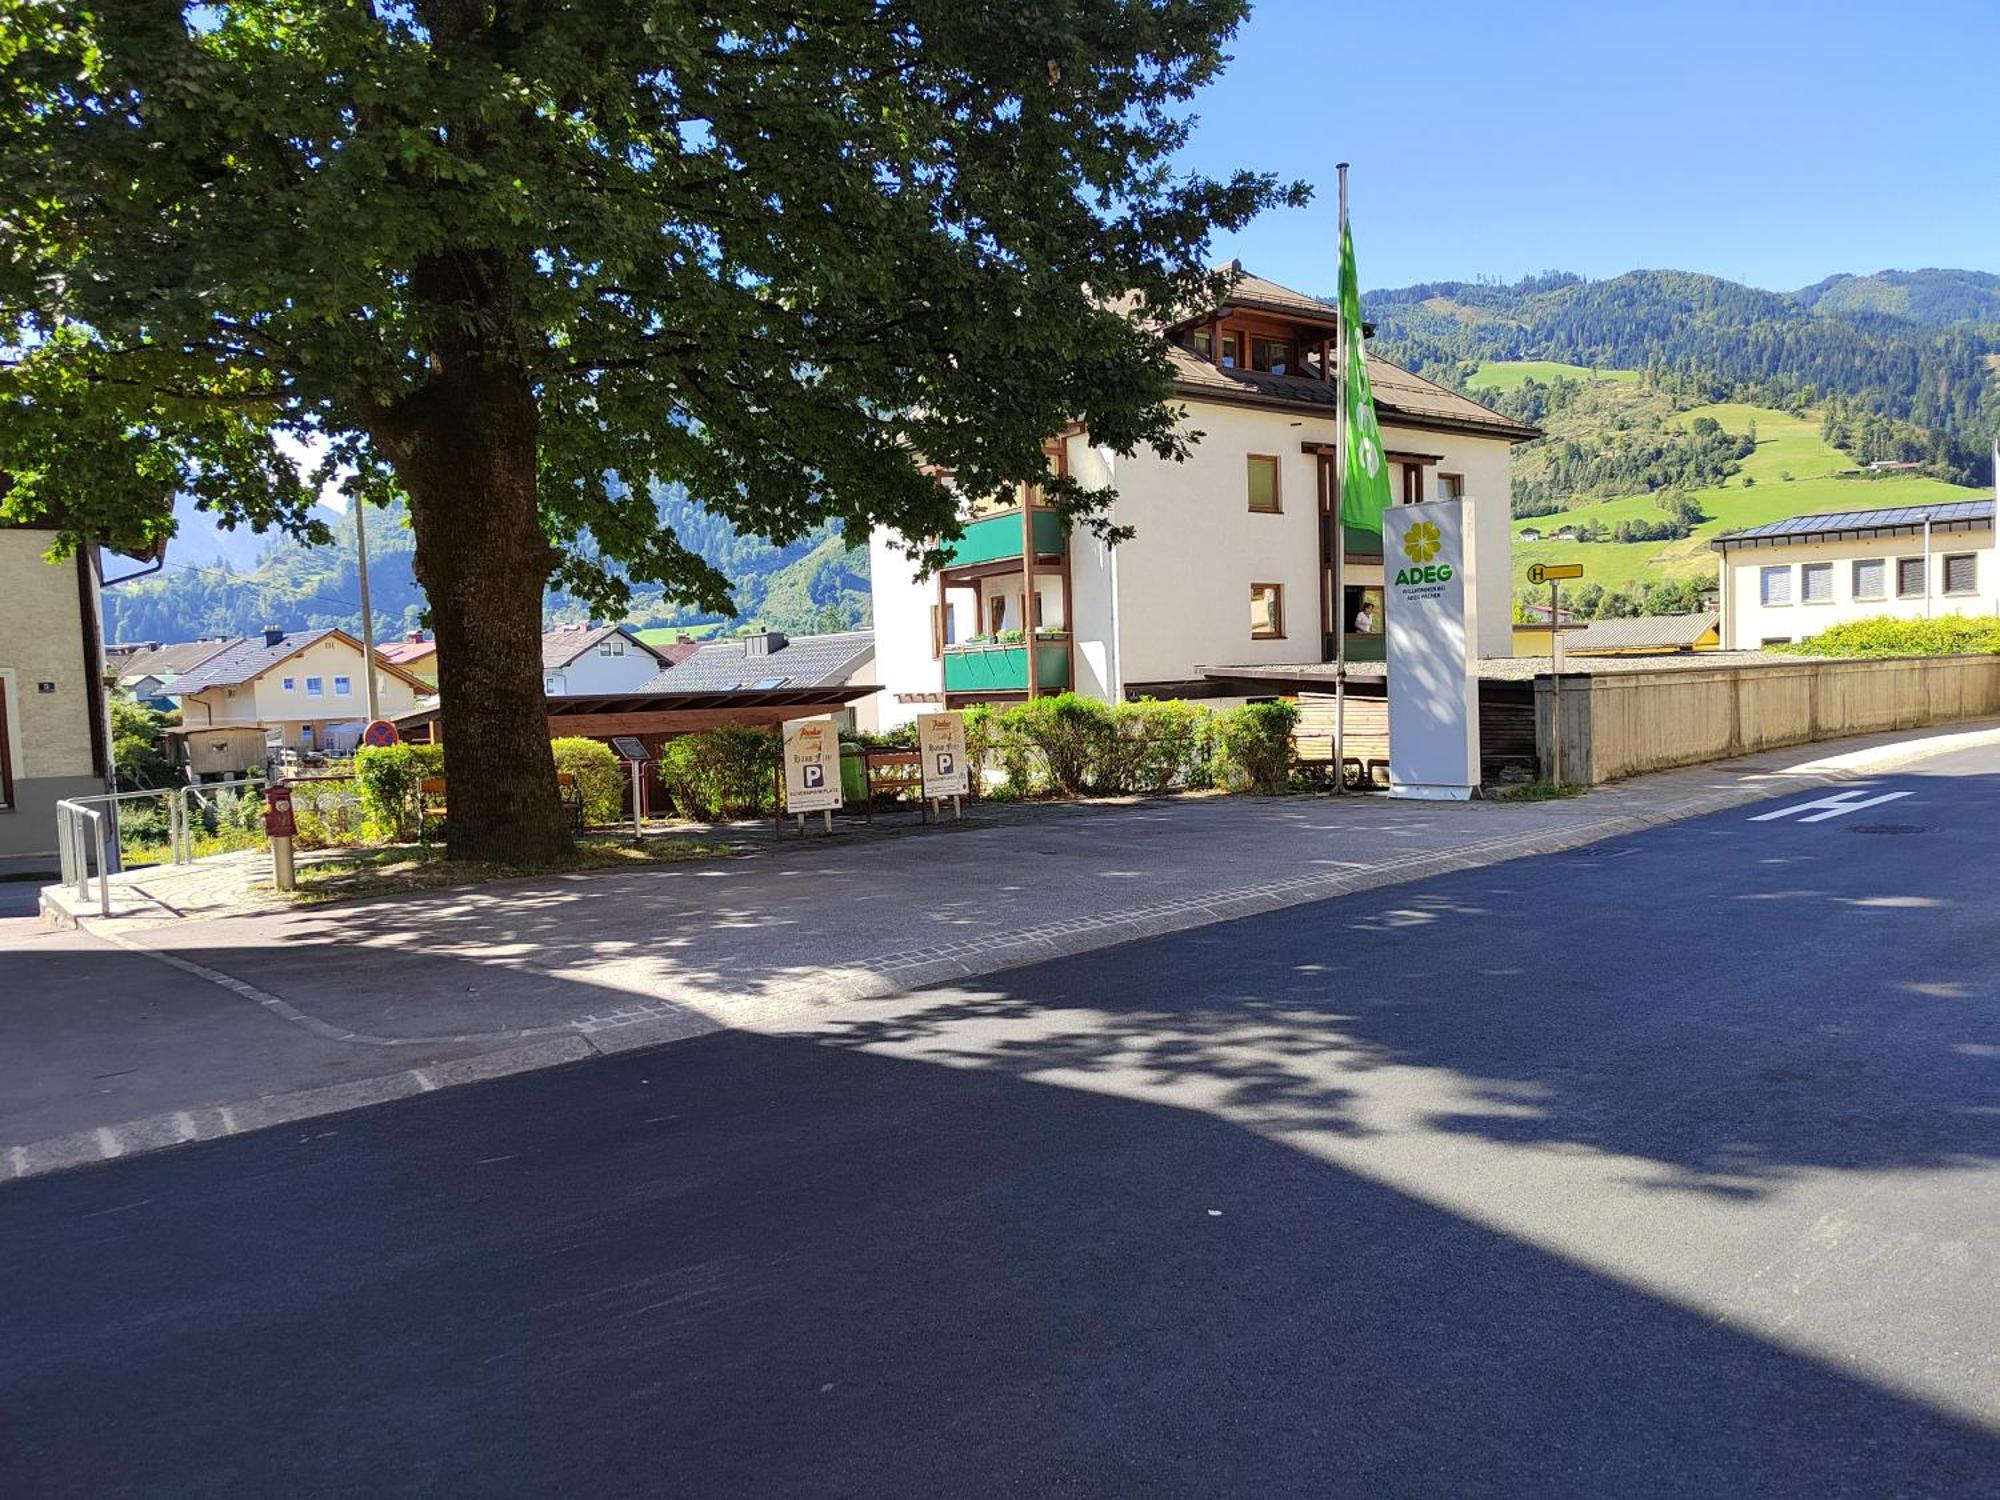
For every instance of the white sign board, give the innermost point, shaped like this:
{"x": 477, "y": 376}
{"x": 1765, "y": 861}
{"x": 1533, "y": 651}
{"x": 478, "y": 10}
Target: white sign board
{"x": 812, "y": 765}
{"x": 1430, "y": 603}
{"x": 941, "y": 747}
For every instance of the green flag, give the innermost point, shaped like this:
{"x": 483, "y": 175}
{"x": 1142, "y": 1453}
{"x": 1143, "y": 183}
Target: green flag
{"x": 1364, "y": 488}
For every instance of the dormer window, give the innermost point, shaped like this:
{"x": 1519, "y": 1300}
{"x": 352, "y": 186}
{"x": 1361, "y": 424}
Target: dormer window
{"x": 1272, "y": 356}
{"x": 1204, "y": 343}
{"x": 1231, "y": 359}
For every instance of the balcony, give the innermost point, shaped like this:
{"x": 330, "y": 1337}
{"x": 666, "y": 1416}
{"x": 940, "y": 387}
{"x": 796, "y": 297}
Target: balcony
{"x": 997, "y": 538}
{"x": 1004, "y": 668}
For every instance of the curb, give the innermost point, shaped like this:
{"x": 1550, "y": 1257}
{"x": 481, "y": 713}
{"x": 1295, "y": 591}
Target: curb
{"x": 880, "y": 978}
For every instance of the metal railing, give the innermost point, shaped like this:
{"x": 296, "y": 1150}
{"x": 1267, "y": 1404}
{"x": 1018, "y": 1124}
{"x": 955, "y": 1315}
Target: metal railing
{"x": 73, "y": 843}
{"x": 84, "y": 823}
{"x": 194, "y": 798}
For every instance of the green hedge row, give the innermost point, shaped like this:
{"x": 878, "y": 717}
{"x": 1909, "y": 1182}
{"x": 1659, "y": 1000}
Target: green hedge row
{"x": 1884, "y": 635}
{"x": 1072, "y": 746}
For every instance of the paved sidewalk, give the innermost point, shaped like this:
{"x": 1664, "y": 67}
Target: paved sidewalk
{"x": 141, "y": 1033}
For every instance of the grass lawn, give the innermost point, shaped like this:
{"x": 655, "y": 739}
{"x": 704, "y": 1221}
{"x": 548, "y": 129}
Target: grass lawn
{"x": 1509, "y": 374}
{"x": 1785, "y": 445}
{"x": 396, "y": 868}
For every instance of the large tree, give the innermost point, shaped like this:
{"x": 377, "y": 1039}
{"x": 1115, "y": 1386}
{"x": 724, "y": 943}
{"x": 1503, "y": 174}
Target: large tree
{"x": 518, "y": 260}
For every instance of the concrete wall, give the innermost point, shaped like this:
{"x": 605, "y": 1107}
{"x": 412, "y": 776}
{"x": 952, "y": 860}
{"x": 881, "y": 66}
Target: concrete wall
{"x": 1622, "y": 724}
{"x": 48, "y": 732}
{"x": 1748, "y": 622}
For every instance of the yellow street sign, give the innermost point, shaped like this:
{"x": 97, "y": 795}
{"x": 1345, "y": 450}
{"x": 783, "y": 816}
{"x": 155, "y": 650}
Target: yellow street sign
{"x": 1550, "y": 572}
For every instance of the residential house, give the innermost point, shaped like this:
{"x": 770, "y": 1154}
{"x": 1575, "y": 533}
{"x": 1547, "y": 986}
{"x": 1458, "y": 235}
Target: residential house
{"x": 305, "y": 687}
{"x": 586, "y": 659}
{"x": 770, "y": 661}
{"x": 55, "y": 731}
{"x": 1528, "y": 534}
{"x": 1231, "y": 559}
{"x": 147, "y": 671}
{"x": 415, "y": 653}
{"x": 1646, "y": 635}
{"x": 1789, "y": 580}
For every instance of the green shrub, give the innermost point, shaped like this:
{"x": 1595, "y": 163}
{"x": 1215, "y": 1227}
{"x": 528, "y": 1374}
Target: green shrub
{"x": 598, "y": 776}
{"x": 1157, "y": 745}
{"x": 1256, "y": 745}
{"x": 1069, "y": 734}
{"x": 386, "y": 778}
{"x": 726, "y": 773}
{"x": 1884, "y": 635}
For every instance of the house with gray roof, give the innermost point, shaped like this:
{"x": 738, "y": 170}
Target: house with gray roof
{"x": 771, "y": 661}
{"x": 1787, "y": 581}
{"x": 305, "y": 688}
{"x": 596, "y": 659}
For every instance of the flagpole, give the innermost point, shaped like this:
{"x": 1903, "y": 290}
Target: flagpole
{"x": 1339, "y": 538}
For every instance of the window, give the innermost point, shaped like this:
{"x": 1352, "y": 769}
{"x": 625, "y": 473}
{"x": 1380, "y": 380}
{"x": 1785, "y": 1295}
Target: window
{"x": 613, "y": 646}
{"x": 1413, "y": 484}
{"x": 1871, "y": 578}
{"x": 1273, "y": 356}
{"x": 944, "y": 629}
{"x": 1775, "y": 640}
{"x": 1775, "y": 585}
{"x": 1204, "y": 344}
{"x": 6, "y": 751}
{"x": 1961, "y": 573}
{"x": 996, "y": 614}
{"x": 1230, "y": 358}
{"x": 765, "y": 684}
{"x": 1451, "y": 486}
{"x": 342, "y": 687}
{"x": 315, "y": 686}
{"x": 291, "y": 684}
{"x": 1267, "y": 612}
{"x": 1816, "y": 583}
{"x": 1264, "y": 483}
{"x": 1909, "y": 577}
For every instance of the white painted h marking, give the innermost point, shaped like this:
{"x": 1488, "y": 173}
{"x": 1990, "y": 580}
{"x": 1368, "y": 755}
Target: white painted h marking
{"x": 1836, "y": 806}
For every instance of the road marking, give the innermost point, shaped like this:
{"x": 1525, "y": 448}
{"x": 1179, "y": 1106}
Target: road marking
{"x": 1837, "y": 806}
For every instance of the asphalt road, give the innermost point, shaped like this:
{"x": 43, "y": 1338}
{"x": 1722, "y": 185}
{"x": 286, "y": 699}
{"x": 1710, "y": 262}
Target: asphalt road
{"x": 1669, "y": 1166}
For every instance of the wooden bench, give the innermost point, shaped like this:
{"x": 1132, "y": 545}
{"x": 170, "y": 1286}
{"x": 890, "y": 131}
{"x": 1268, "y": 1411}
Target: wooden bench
{"x": 1365, "y": 755}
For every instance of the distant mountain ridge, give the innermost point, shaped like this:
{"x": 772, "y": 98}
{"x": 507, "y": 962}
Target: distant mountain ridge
{"x": 1932, "y": 296}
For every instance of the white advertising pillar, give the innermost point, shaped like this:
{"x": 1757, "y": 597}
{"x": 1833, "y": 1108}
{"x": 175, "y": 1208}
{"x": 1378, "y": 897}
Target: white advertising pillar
{"x": 1430, "y": 606}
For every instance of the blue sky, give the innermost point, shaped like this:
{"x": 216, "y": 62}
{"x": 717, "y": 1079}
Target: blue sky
{"x": 1770, "y": 141}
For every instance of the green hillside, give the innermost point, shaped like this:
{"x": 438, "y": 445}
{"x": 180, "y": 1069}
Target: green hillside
{"x": 1512, "y": 374}
{"x": 1792, "y": 471}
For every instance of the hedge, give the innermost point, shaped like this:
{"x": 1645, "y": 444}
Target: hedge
{"x": 1884, "y": 635}
{"x": 598, "y": 776}
{"x": 726, "y": 773}
{"x": 386, "y": 778}
{"x": 1069, "y": 745}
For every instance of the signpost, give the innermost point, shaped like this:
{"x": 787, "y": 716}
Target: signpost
{"x": 281, "y": 826}
{"x": 941, "y": 748}
{"x": 812, "y": 768}
{"x": 632, "y": 750}
{"x": 1433, "y": 655}
{"x": 380, "y": 734}
{"x": 1553, "y": 575}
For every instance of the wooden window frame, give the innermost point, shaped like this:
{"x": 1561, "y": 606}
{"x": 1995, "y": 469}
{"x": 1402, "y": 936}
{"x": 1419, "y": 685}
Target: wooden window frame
{"x": 1290, "y": 346}
{"x": 1277, "y": 505}
{"x": 1229, "y": 346}
{"x": 1413, "y": 484}
{"x": 1277, "y": 631}
{"x": 1457, "y": 479}
{"x": 1971, "y": 559}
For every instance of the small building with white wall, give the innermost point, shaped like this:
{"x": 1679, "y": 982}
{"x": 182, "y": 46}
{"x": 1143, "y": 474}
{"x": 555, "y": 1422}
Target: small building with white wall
{"x": 584, "y": 659}
{"x": 1786, "y": 582}
{"x": 1231, "y": 557}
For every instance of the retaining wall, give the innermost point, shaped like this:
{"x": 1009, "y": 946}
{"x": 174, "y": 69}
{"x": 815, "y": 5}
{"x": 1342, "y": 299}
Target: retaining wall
{"x": 1622, "y": 723}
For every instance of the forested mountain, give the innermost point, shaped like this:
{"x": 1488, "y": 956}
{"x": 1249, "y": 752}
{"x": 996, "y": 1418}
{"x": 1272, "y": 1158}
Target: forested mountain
{"x": 234, "y": 583}
{"x": 1719, "y": 340}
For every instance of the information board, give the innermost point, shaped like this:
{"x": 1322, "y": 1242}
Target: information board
{"x": 812, "y": 765}
{"x": 941, "y": 746}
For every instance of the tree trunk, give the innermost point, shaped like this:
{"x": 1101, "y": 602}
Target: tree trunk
{"x": 465, "y": 448}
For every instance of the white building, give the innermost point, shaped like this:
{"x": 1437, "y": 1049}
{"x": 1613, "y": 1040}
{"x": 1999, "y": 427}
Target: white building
{"x": 586, "y": 659}
{"x": 307, "y": 686}
{"x": 1789, "y": 580}
{"x": 1230, "y": 561}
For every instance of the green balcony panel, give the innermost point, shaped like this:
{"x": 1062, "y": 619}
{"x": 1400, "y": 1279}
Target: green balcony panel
{"x": 997, "y": 538}
{"x": 1004, "y": 669}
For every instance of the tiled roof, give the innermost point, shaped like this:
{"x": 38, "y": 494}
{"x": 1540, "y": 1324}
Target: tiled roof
{"x": 1398, "y": 394}
{"x": 1658, "y": 632}
{"x": 246, "y": 658}
{"x": 566, "y": 643}
{"x": 801, "y": 662}
{"x": 170, "y": 660}
{"x": 1827, "y": 523}
{"x": 402, "y": 653}
{"x": 1254, "y": 291}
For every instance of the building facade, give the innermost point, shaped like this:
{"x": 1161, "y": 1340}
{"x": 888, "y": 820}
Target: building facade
{"x": 580, "y": 659}
{"x": 55, "y": 732}
{"x": 1231, "y": 559}
{"x": 305, "y": 687}
{"x": 1788, "y": 581}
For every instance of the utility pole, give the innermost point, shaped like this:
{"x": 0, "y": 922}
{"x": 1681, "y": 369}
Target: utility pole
{"x": 1343, "y": 334}
{"x": 367, "y": 614}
